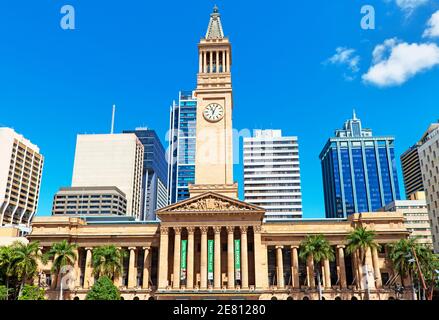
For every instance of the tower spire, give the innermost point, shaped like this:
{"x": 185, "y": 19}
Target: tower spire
{"x": 354, "y": 115}
{"x": 215, "y": 29}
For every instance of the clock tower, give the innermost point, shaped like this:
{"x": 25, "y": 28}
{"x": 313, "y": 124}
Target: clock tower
{"x": 214, "y": 130}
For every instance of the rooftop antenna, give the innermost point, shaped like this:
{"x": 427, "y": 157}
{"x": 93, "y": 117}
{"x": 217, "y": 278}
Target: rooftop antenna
{"x": 112, "y": 118}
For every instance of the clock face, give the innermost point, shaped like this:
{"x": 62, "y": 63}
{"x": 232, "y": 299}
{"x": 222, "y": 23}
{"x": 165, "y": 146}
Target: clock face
{"x": 213, "y": 112}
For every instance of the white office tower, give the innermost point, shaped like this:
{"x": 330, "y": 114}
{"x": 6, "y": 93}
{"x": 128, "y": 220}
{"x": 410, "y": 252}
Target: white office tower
{"x": 272, "y": 174}
{"x": 429, "y": 159}
{"x": 111, "y": 160}
{"x": 21, "y": 166}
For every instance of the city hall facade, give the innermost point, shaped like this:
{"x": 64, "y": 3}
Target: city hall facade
{"x": 214, "y": 246}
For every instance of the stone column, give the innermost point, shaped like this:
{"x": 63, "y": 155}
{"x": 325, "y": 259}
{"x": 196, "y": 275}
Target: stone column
{"x": 244, "y": 258}
{"x": 177, "y": 257}
{"x": 200, "y": 62}
{"x": 217, "y": 267}
{"x": 146, "y": 263}
{"x": 163, "y": 258}
{"x": 228, "y": 61}
{"x": 230, "y": 258}
{"x": 310, "y": 271}
{"x": 223, "y": 54}
{"x": 341, "y": 267}
{"x": 40, "y": 267}
{"x": 261, "y": 268}
{"x": 118, "y": 278}
{"x": 88, "y": 281}
{"x": 204, "y": 62}
{"x": 203, "y": 260}
{"x": 280, "y": 267}
{"x": 132, "y": 274}
{"x": 376, "y": 269}
{"x": 190, "y": 258}
{"x": 295, "y": 267}
{"x": 327, "y": 269}
{"x": 217, "y": 61}
{"x": 77, "y": 269}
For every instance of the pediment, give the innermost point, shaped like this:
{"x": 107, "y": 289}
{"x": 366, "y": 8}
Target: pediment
{"x": 210, "y": 202}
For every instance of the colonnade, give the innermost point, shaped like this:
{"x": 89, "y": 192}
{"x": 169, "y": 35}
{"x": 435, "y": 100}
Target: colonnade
{"x": 218, "y": 58}
{"x": 209, "y": 276}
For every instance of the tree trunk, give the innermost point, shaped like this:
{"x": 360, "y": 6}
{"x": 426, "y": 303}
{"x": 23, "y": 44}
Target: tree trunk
{"x": 21, "y": 286}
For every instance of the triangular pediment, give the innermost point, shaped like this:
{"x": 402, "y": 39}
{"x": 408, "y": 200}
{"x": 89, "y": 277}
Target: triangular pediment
{"x": 210, "y": 202}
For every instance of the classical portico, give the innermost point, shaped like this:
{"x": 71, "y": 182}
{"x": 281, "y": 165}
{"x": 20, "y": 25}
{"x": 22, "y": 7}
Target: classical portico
{"x": 208, "y": 243}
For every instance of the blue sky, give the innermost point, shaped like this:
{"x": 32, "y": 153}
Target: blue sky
{"x": 56, "y": 83}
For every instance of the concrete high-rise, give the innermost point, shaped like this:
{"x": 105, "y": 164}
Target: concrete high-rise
{"x": 84, "y": 201}
{"x": 272, "y": 174}
{"x": 111, "y": 160}
{"x": 429, "y": 159}
{"x": 154, "y": 181}
{"x": 359, "y": 171}
{"x": 416, "y": 217}
{"x": 21, "y": 166}
{"x": 411, "y": 171}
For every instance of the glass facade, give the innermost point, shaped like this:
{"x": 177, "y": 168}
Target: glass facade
{"x": 154, "y": 180}
{"x": 359, "y": 171}
{"x": 181, "y": 153}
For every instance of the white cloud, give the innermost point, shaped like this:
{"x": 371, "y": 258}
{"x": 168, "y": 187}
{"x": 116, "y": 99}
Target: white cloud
{"x": 432, "y": 30}
{"x": 346, "y": 57}
{"x": 410, "y": 5}
{"x": 395, "y": 62}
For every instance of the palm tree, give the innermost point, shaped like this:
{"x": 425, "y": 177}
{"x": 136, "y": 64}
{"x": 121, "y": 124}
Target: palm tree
{"x": 317, "y": 248}
{"x": 63, "y": 254}
{"x": 401, "y": 255}
{"x": 6, "y": 265}
{"x": 360, "y": 241}
{"x": 108, "y": 261}
{"x": 25, "y": 261}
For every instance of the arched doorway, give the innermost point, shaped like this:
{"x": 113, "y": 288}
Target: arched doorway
{"x": 136, "y": 298}
{"x": 290, "y": 298}
{"x": 273, "y": 298}
{"x": 337, "y": 298}
{"x": 354, "y": 298}
{"x": 76, "y": 298}
{"x": 305, "y": 298}
{"x": 151, "y": 298}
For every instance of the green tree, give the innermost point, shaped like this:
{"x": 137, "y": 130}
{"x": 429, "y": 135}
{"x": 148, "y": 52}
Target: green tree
{"x": 430, "y": 269}
{"x": 103, "y": 289}
{"x": 25, "y": 261}
{"x": 360, "y": 241}
{"x": 108, "y": 261}
{"x": 317, "y": 248}
{"x": 63, "y": 254}
{"x": 3, "y": 292}
{"x": 405, "y": 256}
{"x": 6, "y": 266}
{"x": 31, "y": 292}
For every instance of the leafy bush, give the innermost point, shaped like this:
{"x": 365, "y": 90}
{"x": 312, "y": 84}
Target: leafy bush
{"x": 103, "y": 289}
{"x": 30, "y": 292}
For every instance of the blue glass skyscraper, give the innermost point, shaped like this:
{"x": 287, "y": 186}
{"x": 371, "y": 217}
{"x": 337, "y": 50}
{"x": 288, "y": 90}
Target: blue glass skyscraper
{"x": 181, "y": 152}
{"x": 154, "y": 180}
{"x": 359, "y": 171}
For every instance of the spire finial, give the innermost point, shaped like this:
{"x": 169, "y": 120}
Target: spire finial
{"x": 215, "y": 9}
{"x": 354, "y": 115}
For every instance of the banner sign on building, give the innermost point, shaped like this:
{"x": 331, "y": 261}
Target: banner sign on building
{"x": 238, "y": 259}
{"x": 183, "y": 261}
{"x": 210, "y": 249}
